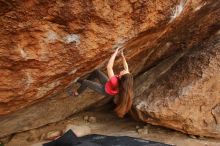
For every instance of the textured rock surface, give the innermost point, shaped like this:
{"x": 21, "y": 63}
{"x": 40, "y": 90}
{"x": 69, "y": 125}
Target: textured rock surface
{"x": 46, "y": 45}
{"x": 187, "y": 97}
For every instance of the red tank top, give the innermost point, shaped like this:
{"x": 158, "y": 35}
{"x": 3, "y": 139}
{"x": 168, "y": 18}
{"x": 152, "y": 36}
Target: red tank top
{"x": 112, "y": 86}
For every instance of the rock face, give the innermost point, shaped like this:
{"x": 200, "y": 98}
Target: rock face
{"x": 47, "y": 45}
{"x": 187, "y": 97}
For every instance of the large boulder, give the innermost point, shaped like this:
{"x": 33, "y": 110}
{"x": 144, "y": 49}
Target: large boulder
{"x": 47, "y": 45}
{"x": 187, "y": 97}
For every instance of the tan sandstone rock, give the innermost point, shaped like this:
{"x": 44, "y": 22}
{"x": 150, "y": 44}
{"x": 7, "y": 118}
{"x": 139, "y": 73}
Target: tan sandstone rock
{"x": 187, "y": 97}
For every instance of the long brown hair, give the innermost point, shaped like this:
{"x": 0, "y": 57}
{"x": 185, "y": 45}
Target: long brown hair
{"x": 126, "y": 95}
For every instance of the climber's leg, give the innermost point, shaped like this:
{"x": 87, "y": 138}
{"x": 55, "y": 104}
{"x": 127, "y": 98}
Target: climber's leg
{"x": 101, "y": 76}
{"x": 92, "y": 85}
{"x": 82, "y": 87}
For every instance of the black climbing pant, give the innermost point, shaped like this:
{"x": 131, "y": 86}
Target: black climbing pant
{"x": 98, "y": 87}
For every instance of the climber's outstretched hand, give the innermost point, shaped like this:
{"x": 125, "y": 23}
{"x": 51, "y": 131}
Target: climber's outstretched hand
{"x": 122, "y": 54}
{"x": 125, "y": 64}
{"x": 120, "y": 51}
{"x": 116, "y": 51}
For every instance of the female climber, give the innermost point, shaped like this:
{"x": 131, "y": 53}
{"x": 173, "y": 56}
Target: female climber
{"x": 121, "y": 85}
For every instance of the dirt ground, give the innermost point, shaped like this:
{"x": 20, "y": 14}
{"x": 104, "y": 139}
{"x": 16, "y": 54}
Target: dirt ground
{"x": 107, "y": 123}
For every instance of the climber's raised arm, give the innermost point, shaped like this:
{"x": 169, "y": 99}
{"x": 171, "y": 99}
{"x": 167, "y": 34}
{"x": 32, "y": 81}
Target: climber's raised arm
{"x": 125, "y": 64}
{"x": 111, "y": 64}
